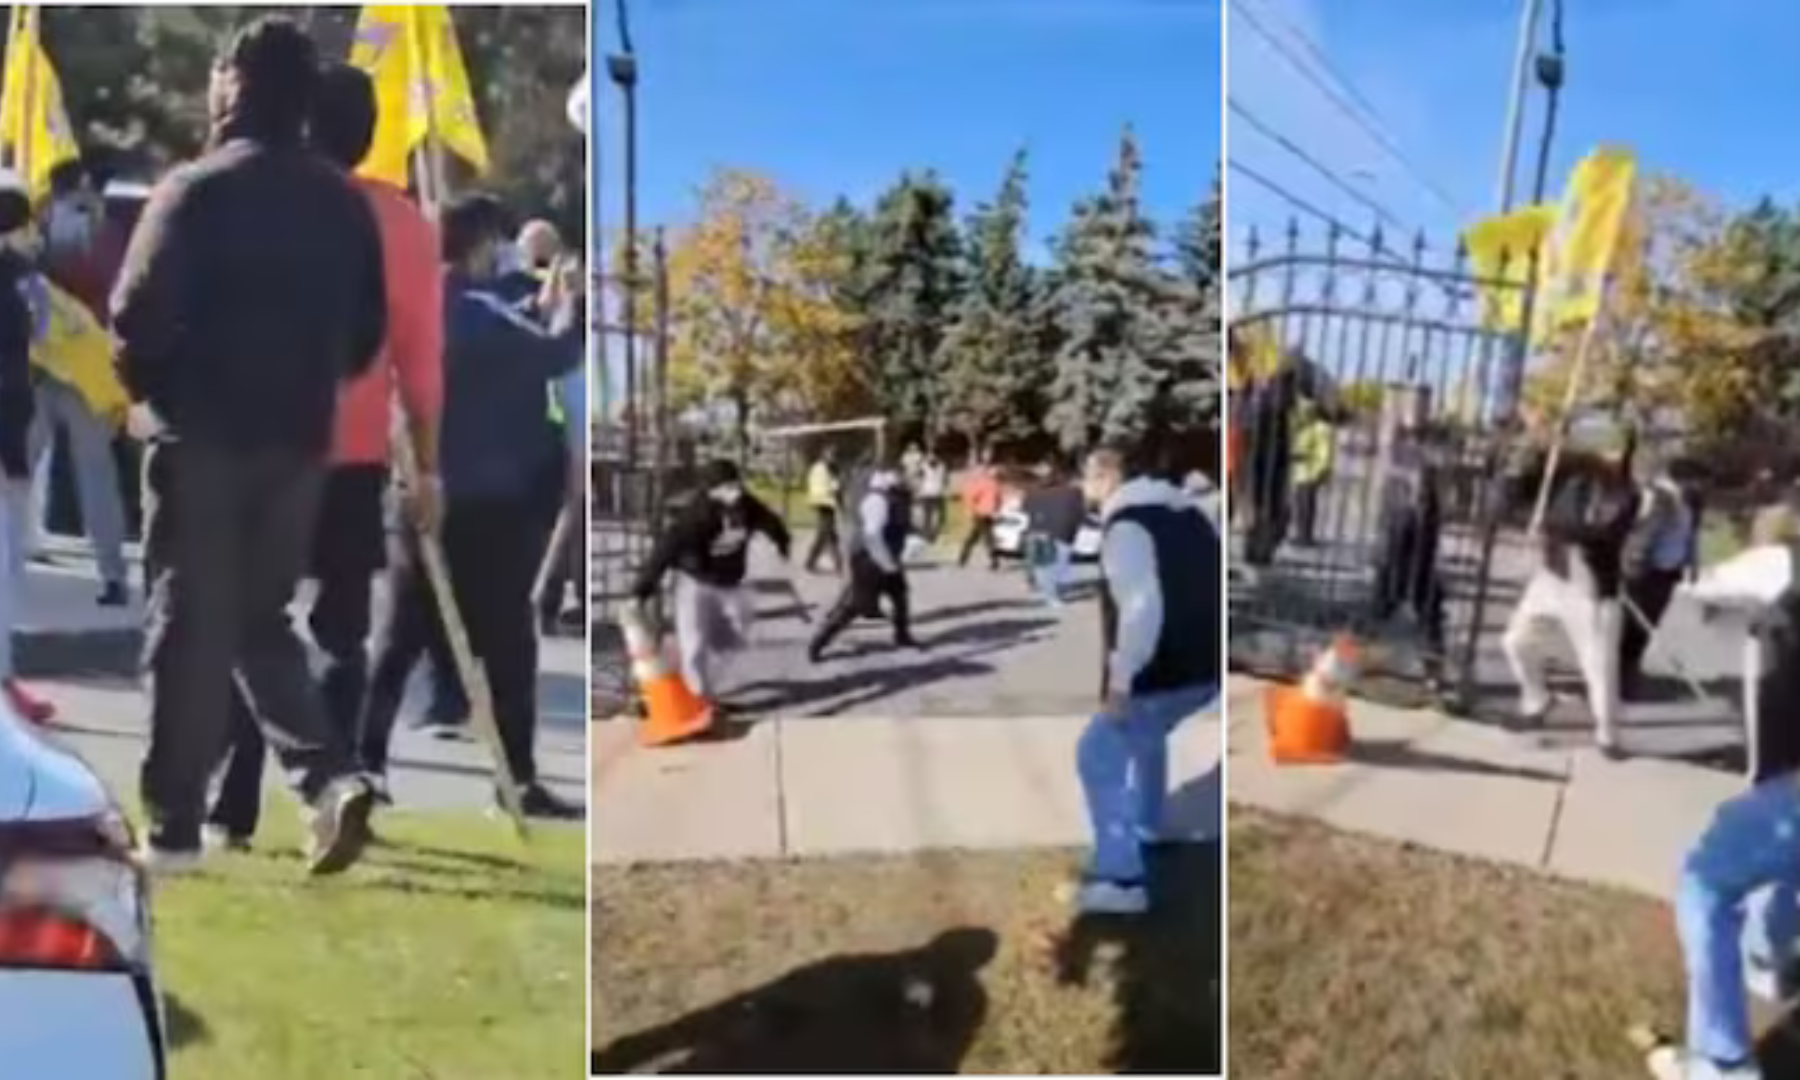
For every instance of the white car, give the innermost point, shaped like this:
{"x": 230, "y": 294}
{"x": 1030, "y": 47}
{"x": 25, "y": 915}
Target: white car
{"x": 1011, "y": 524}
{"x": 77, "y": 994}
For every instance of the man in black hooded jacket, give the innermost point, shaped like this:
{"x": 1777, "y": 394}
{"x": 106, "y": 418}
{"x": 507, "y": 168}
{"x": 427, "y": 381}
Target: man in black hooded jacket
{"x": 252, "y": 287}
{"x": 707, "y": 548}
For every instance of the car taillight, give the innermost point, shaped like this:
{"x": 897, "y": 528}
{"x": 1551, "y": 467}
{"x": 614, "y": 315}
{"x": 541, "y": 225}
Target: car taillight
{"x": 70, "y": 896}
{"x": 46, "y": 939}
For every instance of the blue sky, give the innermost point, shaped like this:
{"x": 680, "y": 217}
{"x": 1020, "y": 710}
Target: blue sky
{"x": 1697, "y": 88}
{"x": 839, "y": 96}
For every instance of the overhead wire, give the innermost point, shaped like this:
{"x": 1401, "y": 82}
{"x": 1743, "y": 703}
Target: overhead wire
{"x": 1343, "y": 104}
{"x": 1300, "y": 152}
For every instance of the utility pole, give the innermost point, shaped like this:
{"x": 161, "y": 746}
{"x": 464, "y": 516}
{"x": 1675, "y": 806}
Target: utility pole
{"x": 1515, "y": 110}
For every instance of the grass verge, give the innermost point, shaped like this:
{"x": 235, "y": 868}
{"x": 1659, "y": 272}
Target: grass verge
{"x": 939, "y": 962}
{"x": 451, "y": 953}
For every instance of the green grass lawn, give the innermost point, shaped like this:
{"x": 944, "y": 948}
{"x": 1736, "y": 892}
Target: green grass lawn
{"x": 451, "y": 953}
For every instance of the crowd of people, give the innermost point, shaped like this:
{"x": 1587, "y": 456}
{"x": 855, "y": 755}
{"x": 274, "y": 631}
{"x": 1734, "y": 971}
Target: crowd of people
{"x": 1160, "y": 604}
{"x": 270, "y": 315}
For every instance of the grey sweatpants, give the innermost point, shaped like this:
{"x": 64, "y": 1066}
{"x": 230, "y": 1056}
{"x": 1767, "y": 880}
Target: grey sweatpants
{"x": 96, "y": 472}
{"x": 710, "y": 622}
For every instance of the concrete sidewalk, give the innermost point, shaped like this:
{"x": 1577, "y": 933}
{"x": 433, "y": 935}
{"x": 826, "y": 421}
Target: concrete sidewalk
{"x": 828, "y": 786}
{"x": 1473, "y": 789}
{"x": 84, "y": 658}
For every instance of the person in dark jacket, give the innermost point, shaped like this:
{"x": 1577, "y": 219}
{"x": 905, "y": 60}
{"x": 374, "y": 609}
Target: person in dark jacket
{"x": 1662, "y": 549}
{"x": 883, "y": 521}
{"x": 1576, "y": 588}
{"x": 16, "y": 409}
{"x": 1161, "y": 611}
{"x": 1055, "y": 512}
{"x": 496, "y": 364}
{"x": 707, "y": 548}
{"x": 251, "y": 290}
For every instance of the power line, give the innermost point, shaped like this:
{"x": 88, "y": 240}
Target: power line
{"x": 1319, "y": 167}
{"x": 1343, "y": 105}
{"x": 1321, "y": 60}
{"x": 1274, "y": 188}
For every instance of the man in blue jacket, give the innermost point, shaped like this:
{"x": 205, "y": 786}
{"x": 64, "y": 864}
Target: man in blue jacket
{"x": 492, "y": 454}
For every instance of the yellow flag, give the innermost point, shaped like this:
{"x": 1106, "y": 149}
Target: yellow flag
{"x": 421, "y": 87}
{"x": 1500, "y": 250}
{"x": 1581, "y": 247}
{"x": 453, "y": 116}
{"x": 35, "y": 135}
{"x": 71, "y": 345}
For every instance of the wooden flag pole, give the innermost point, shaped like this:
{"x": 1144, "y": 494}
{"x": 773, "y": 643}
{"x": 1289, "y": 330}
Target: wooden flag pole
{"x": 429, "y": 165}
{"x": 1571, "y": 395}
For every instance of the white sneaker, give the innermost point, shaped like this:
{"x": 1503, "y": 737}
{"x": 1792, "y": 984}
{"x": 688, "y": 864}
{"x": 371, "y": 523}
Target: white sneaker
{"x": 170, "y": 862}
{"x": 1675, "y": 1063}
{"x": 1111, "y": 898}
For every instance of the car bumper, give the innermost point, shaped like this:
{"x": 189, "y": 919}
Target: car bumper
{"x": 106, "y": 1026}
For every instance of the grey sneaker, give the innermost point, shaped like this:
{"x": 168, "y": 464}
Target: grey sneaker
{"x": 339, "y": 826}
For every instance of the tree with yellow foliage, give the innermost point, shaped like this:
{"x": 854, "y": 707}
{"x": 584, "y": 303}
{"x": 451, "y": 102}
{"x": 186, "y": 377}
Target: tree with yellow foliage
{"x": 1671, "y": 344}
{"x": 753, "y": 319}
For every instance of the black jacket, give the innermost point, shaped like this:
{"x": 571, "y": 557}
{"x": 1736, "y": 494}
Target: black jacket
{"x": 16, "y": 404}
{"x": 1057, "y": 511}
{"x": 710, "y": 542}
{"x": 252, "y": 287}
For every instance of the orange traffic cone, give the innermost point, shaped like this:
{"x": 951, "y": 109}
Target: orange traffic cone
{"x": 672, "y": 711}
{"x": 1310, "y": 724}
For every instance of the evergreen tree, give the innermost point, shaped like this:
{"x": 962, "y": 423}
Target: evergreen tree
{"x": 1108, "y": 309}
{"x": 911, "y": 283}
{"x": 995, "y": 370}
{"x": 1138, "y": 355}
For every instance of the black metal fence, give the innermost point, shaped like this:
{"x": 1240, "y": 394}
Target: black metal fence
{"x": 1371, "y": 388}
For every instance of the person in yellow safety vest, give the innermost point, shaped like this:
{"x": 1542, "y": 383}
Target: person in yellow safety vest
{"x": 1314, "y": 451}
{"x": 824, "y": 490}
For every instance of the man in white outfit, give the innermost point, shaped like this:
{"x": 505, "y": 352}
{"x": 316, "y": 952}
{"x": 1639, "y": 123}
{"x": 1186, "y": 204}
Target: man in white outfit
{"x": 1576, "y": 588}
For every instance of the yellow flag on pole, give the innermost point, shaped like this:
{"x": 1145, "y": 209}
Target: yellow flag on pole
{"x": 1581, "y": 247}
{"x": 1500, "y": 250}
{"x": 421, "y": 87}
{"x": 35, "y": 134}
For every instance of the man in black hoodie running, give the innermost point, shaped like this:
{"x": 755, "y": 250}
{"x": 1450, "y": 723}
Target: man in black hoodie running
{"x": 708, "y": 548}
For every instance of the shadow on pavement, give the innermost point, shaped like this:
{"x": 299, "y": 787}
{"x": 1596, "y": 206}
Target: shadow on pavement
{"x": 1165, "y": 967}
{"x": 845, "y": 690}
{"x": 1399, "y": 754}
{"x": 1196, "y": 808}
{"x": 910, "y": 1012}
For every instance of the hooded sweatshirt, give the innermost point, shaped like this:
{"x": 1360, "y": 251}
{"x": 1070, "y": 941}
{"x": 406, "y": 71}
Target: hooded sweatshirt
{"x": 1160, "y": 598}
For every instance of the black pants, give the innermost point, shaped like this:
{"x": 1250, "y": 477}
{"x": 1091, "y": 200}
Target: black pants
{"x": 1306, "y": 512}
{"x": 1650, "y": 592}
{"x": 550, "y": 495}
{"x": 862, "y": 598}
{"x": 229, "y": 534}
{"x": 825, "y": 539}
{"x": 981, "y": 531}
{"x": 492, "y": 548}
{"x": 347, "y": 552}
{"x": 1406, "y": 576}
{"x": 931, "y": 517}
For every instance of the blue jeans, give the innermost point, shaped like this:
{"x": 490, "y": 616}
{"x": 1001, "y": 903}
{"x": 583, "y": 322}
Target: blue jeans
{"x": 1752, "y": 843}
{"x": 1124, "y": 766}
{"x": 1050, "y": 571}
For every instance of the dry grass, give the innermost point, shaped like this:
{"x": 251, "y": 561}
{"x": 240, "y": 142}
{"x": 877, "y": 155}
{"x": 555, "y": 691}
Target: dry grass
{"x": 940, "y": 962}
{"x": 1358, "y": 958}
